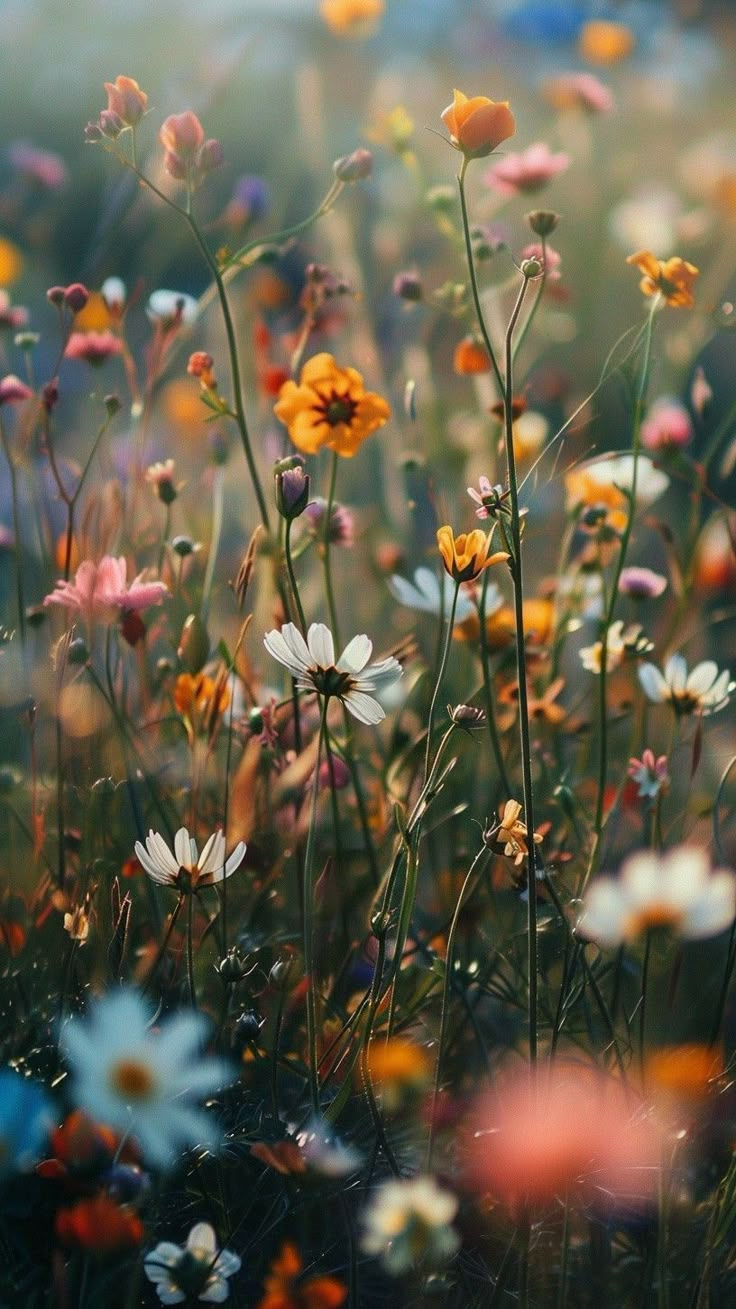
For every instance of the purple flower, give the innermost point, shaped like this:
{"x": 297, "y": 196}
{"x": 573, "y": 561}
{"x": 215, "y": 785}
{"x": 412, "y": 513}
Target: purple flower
{"x": 641, "y": 583}
{"x": 341, "y": 531}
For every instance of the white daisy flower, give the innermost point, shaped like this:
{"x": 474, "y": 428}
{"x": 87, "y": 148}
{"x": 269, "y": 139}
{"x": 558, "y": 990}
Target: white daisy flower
{"x": 172, "y": 307}
{"x": 186, "y": 869}
{"x": 618, "y": 470}
{"x": 431, "y": 596}
{"x": 704, "y": 690}
{"x": 409, "y": 1220}
{"x": 349, "y": 678}
{"x": 143, "y": 1081}
{"x": 591, "y": 655}
{"x": 198, "y": 1268}
{"x": 676, "y": 890}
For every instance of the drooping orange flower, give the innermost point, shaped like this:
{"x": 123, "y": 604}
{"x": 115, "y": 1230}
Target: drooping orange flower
{"x": 466, "y": 556}
{"x": 605, "y": 42}
{"x": 285, "y": 1291}
{"x": 478, "y": 125}
{"x": 672, "y": 278}
{"x": 330, "y": 408}
{"x": 470, "y": 357}
{"x": 352, "y": 17}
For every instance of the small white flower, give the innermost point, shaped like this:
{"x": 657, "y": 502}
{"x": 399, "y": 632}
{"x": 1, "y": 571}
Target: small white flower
{"x": 591, "y": 655}
{"x": 430, "y": 596}
{"x": 408, "y": 1221}
{"x": 172, "y": 307}
{"x": 705, "y": 689}
{"x": 186, "y": 869}
{"x": 114, "y": 292}
{"x": 197, "y": 1268}
{"x": 618, "y": 470}
{"x": 349, "y": 678}
{"x": 676, "y": 890}
{"x": 141, "y": 1081}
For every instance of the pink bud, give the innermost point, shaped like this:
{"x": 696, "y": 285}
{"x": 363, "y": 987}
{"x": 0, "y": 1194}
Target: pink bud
{"x": 182, "y": 135}
{"x": 125, "y": 98}
{"x": 76, "y": 296}
{"x": 110, "y": 124}
{"x": 13, "y": 391}
{"x": 210, "y": 156}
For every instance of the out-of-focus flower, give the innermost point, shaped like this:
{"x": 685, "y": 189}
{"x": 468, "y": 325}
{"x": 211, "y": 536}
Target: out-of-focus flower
{"x": 186, "y": 869}
{"x": 641, "y": 583}
{"x": 650, "y": 774}
{"x": 683, "y": 1073}
{"x": 201, "y": 364}
{"x": 172, "y": 308}
{"x": 99, "y": 1226}
{"x": 11, "y": 262}
{"x": 477, "y": 125}
{"x": 141, "y": 1081}
{"x": 604, "y": 42}
{"x": 466, "y": 556}
{"x": 529, "y": 434}
{"x": 114, "y": 293}
{"x": 93, "y": 347}
{"x": 672, "y": 278}
{"x": 41, "y": 167}
{"x": 676, "y": 891}
{"x": 286, "y": 1288}
{"x": 250, "y": 201}
{"x": 701, "y": 393}
{"x": 350, "y": 678}
{"x": 430, "y": 596}
{"x": 342, "y": 527}
{"x": 667, "y": 425}
{"x": 188, "y": 156}
{"x": 329, "y": 407}
{"x": 501, "y": 625}
{"x": 602, "y": 484}
{"x": 408, "y": 1221}
{"x": 397, "y": 1067}
{"x": 408, "y": 286}
{"x": 579, "y": 91}
{"x": 126, "y": 100}
{"x": 13, "y": 391}
{"x": 355, "y": 167}
{"x": 512, "y": 833}
{"x": 324, "y": 1153}
{"x": 705, "y": 690}
{"x": 101, "y": 590}
{"x": 25, "y": 1121}
{"x": 528, "y": 171}
{"x": 715, "y": 555}
{"x": 622, "y": 641}
{"x": 12, "y": 316}
{"x": 352, "y": 17}
{"x": 470, "y": 357}
{"x": 161, "y": 476}
{"x": 394, "y": 130}
{"x": 547, "y": 256}
{"x": 196, "y": 1269}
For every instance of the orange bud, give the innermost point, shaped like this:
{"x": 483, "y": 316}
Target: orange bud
{"x": 478, "y": 125}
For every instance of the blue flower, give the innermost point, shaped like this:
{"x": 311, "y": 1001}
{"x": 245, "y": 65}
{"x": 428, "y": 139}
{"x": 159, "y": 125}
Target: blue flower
{"x": 25, "y": 1121}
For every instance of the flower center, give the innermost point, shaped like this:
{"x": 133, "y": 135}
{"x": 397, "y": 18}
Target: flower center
{"x": 132, "y": 1080}
{"x": 654, "y": 917}
{"x": 330, "y": 681}
{"x": 340, "y": 409}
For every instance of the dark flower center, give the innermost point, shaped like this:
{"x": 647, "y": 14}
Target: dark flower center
{"x": 330, "y": 681}
{"x": 340, "y": 409}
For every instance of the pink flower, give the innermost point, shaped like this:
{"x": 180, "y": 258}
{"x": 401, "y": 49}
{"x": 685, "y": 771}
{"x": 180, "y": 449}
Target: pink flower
{"x": 650, "y": 774}
{"x": 580, "y": 91}
{"x": 641, "y": 583}
{"x": 13, "y": 391}
{"x": 551, "y": 258}
{"x": 11, "y": 315}
{"x": 93, "y": 347}
{"x": 701, "y": 392}
{"x": 668, "y": 424}
{"x": 39, "y": 166}
{"x": 528, "y": 171}
{"x": 189, "y": 157}
{"x": 102, "y": 591}
{"x": 126, "y": 100}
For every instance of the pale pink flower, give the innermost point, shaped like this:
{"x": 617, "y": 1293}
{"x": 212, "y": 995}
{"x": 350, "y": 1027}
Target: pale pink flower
{"x": 526, "y": 172}
{"x": 668, "y": 424}
{"x": 550, "y": 258}
{"x": 701, "y": 392}
{"x": 641, "y": 583}
{"x": 188, "y": 155}
{"x": 650, "y": 774}
{"x": 93, "y": 347}
{"x": 39, "y": 166}
{"x": 101, "y": 590}
{"x": 14, "y": 316}
{"x": 13, "y": 391}
{"x": 580, "y": 91}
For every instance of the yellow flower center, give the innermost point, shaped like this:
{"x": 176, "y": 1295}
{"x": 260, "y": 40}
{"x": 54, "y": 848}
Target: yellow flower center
{"x": 132, "y": 1080}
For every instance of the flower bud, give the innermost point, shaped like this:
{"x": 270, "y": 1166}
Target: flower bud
{"x": 26, "y": 340}
{"x": 112, "y": 404}
{"x": 210, "y": 157}
{"x": 441, "y": 198}
{"x": 465, "y": 715}
{"x": 126, "y": 100}
{"x": 354, "y": 167}
{"x": 76, "y": 296}
{"x": 408, "y": 286}
{"x": 194, "y": 644}
{"x": 13, "y": 391}
{"x": 78, "y": 651}
{"x": 183, "y": 546}
{"x": 55, "y": 296}
{"x": 50, "y": 395}
{"x": 542, "y": 221}
{"x": 292, "y": 488}
{"x": 281, "y": 973}
{"x": 234, "y": 966}
{"x": 530, "y": 268}
{"x": 110, "y": 124}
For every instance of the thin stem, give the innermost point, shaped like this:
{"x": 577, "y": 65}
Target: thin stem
{"x": 474, "y": 280}
{"x": 190, "y": 950}
{"x": 325, "y": 548}
{"x": 292, "y": 576}
{"x": 308, "y": 921}
{"x": 15, "y": 508}
{"x": 438, "y": 681}
{"x": 643, "y": 1003}
{"x": 488, "y": 688}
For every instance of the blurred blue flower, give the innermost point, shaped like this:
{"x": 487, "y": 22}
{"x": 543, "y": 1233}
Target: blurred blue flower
{"x": 251, "y": 199}
{"x": 538, "y": 20}
{"x": 25, "y": 1120}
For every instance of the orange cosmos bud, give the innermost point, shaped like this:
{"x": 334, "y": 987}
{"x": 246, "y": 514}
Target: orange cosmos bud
{"x": 478, "y": 125}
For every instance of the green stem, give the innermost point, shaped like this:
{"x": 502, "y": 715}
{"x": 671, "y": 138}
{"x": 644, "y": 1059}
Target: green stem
{"x": 190, "y": 950}
{"x": 308, "y": 921}
{"x": 292, "y": 576}
{"x": 438, "y": 681}
{"x": 474, "y": 280}
{"x": 643, "y": 1004}
{"x": 488, "y": 688}
{"x": 325, "y": 548}
{"x": 15, "y": 509}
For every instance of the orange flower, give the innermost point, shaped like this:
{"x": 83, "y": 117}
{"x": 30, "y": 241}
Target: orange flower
{"x": 329, "y": 408}
{"x": 585, "y": 491}
{"x": 470, "y": 357}
{"x": 673, "y": 278}
{"x": 466, "y": 556}
{"x": 397, "y": 1065}
{"x": 513, "y": 834}
{"x": 201, "y": 700}
{"x": 683, "y": 1072}
{"x": 11, "y": 262}
{"x": 477, "y": 125}
{"x": 283, "y": 1291}
{"x": 99, "y": 1225}
{"x": 501, "y": 625}
{"x": 352, "y": 17}
{"x": 604, "y": 42}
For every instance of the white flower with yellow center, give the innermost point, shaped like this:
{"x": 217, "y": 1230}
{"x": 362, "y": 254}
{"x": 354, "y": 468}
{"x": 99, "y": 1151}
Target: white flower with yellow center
{"x": 198, "y": 1268}
{"x": 591, "y": 656}
{"x": 408, "y": 1221}
{"x": 141, "y": 1081}
{"x": 675, "y": 891}
{"x": 185, "y": 868}
{"x": 705, "y": 690}
{"x": 350, "y": 678}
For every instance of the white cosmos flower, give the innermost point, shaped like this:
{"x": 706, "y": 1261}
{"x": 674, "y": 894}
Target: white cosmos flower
{"x": 430, "y": 595}
{"x": 618, "y": 470}
{"x": 676, "y": 890}
{"x": 705, "y": 689}
{"x": 170, "y": 307}
{"x": 197, "y": 1268}
{"x": 349, "y": 678}
{"x": 142, "y": 1081}
{"x": 186, "y": 869}
{"x": 409, "y": 1220}
{"x": 591, "y": 655}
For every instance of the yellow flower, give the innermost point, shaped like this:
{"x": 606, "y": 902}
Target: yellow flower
{"x": 11, "y": 262}
{"x": 604, "y": 42}
{"x": 352, "y": 17}
{"x": 478, "y": 125}
{"x": 673, "y": 278}
{"x": 466, "y": 556}
{"x": 329, "y": 407}
{"x": 394, "y": 130}
{"x": 513, "y": 834}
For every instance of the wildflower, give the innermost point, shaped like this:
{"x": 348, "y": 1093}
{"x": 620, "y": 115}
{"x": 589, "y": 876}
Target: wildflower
{"x": 605, "y": 42}
{"x": 325, "y": 1154}
{"x": 11, "y": 262}
{"x": 126, "y": 100}
{"x": 250, "y": 201}
{"x": 329, "y": 407}
{"x": 466, "y": 716}
{"x": 705, "y": 690}
{"x": 491, "y": 500}
{"x": 286, "y": 1288}
{"x": 430, "y": 596}
{"x": 350, "y": 679}
{"x": 93, "y": 347}
{"x": 675, "y": 891}
{"x": 549, "y": 258}
{"x": 408, "y": 286}
{"x": 470, "y": 357}
{"x": 25, "y": 1121}
{"x": 529, "y": 434}
{"x": 701, "y": 392}
{"x": 683, "y": 1072}
{"x": 715, "y": 556}
{"x": 201, "y": 364}
{"x": 478, "y": 125}
{"x": 41, "y": 167}
{"x": 667, "y": 426}
{"x": 466, "y": 556}
{"x": 76, "y": 296}
{"x": 650, "y": 774}
{"x": 398, "y": 1066}
{"x": 672, "y": 278}
{"x": 172, "y": 309}
{"x": 196, "y": 1269}
{"x": 99, "y": 1225}
{"x": 528, "y": 171}
{"x": 161, "y": 475}
{"x": 512, "y": 833}
{"x": 114, "y": 295}
{"x": 602, "y": 487}
{"x": 186, "y": 869}
{"x": 622, "y": 641}
{"x": 188, "y": 156}
{"x": 12, "y": 316}
{"x": 352, "y": 17}
{"x": 140, "y": 1081}
{"x": 13, "y": 391}
{"x": 292, "y": 487}
{"x": 579, "y": 91}
{"x": 408, "y": 1221}
{"x": 341, "y": 530}
{"x": 641, "y": 583}
{"x": 355, "y": 167}
{"x": 101, "y": 590}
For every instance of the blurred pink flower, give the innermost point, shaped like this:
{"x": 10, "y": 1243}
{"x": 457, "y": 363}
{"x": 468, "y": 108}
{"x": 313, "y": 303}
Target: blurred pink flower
{"x": 642, "y": 583}
{"x": 101, "y": 590}
{"x": 189, "y": 157}
{"x": 551, "y": 257}
{"x": 93, "y": 347}
{"x": 667, "y": 424}
{"x": 39, "y": 166}
{"x": 13, "y": 391}
{"x": 11, "y": 315}
{"x": 528, "y": 171}
{"x": 580, "y": 91}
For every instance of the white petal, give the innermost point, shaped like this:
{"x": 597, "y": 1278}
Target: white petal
{"x": 428, "y": 588}
{"x": 183, "y": 848}
{"x": 279, "y": 649}
{"x": 405, "y": 593}
{"x": 213, "y": 854}
{"x": 675, "y": 673}
{"x": 702, "y": 677}
{"x": 604, "y": 913}
{"x": 653, "y": 683}
{"x": 202, "y": 1237}
{"x": 383, "y": 673}
{"x": 321, "y": 645}
{"x": 356, "y": 654}
{"x": 151, "y": 866}
{"x": 234, "y": 860}
{"x": 170, "y": 1294}
{"x": 364, "y": 708}
{"x": 714, "y": 909}
{"x": 161, "y": 1259}
{"x": 227, "y": 1263}
{"x": 216, "y": 1291}
{"x": 160, "y": 852}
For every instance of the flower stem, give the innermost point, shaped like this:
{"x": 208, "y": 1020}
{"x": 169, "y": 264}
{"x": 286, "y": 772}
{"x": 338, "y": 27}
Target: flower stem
{"x": 292, "y": 577}
{"x": 325, "y": 549}
{"x": 474, "y": 280}
{"x": 190, "y": 950}
{"x": 438, "y": 681}
{"x": 15, "y": 508}
{"x": 308, "y": 920}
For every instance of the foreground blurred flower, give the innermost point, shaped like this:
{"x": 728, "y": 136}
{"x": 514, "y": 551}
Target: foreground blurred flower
{"x": 186, "y": 869}
{"x": 196, "y": 1269}
{"x": 13, "y": 391}
{"x": 285, "y": 1288}
{"x": 603, "y": 486}
{"x": 101, "y": 590}
{"x": 99, "y": 1226}
{"x": 25, "y": 1120}
{"x": 650, "y": 774}
{"x": 641, "y": 583}
{"x": 341, "y": 530}
{"x": 527, "y": 171}
{"x": 667, "y": 425}
{"x": 329, "y": 407}
{"x": 350, "y": 678}
{"x": 705, "y": 690}
{"x": 605, "y": 42}
{"x": 41, "y": 167}
{"x": 352, "y": 17}
{"x": 172, "y": 308}
{"x": 477, "y": 125}
{"x": 579, "y": 91}
{"x": 676, "y": 891}
{"x": 466, "y": 556}
{"x": 408, "y": 1222}
{"x": 672, "y": 278}
{"x": 429, "y": 597}
{"x": 683, "y": 1072}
